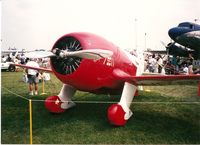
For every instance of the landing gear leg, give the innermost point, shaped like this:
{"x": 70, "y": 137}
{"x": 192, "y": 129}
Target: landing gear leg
{"x": 118, "y": 114}
{"x": 58, "y": 104}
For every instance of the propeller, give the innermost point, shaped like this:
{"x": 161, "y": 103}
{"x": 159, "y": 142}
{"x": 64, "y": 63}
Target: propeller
{"x": 167, "y": 46}
{"x": 87, "y": 54}
{"x": 67, "y": 54}
{"x": 39, "y": 54}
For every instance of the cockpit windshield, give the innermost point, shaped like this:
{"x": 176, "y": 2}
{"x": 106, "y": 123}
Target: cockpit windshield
{"x": 186, "y": 25}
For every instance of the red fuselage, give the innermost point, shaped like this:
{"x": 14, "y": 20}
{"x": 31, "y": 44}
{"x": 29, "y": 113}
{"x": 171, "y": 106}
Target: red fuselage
{"x": 96, "y": 75}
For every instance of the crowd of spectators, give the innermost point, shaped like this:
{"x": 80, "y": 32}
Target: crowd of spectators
{"x": 153, "y": 63}
{"x": 21, "y": 59}
{"x": 164, "y": 64}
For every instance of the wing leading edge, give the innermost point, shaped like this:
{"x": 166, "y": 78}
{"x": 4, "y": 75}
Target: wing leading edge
{"x": 30, "y": 67}
{"x": 157, "y": 79}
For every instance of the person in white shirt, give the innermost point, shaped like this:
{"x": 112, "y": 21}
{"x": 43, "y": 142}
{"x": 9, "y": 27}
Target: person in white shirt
{"x": 32, "y": 77}
{"x": 185, "y": 69}
{"x": 152, "y": 64}
{"x": 160, "y": 63}
{"x": 3, "y": 59}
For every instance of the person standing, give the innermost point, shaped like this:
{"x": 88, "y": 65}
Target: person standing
{"x": 32, "y": 77}
{"x": 190, "y": 64}
{"x": 160, "y": 63}
{"x": 152, "y": 64}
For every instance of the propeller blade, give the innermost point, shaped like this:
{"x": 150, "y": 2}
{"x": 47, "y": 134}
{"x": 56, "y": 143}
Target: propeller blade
{"x": 163, "y": 43}
{"x": 39, "y": 54}
{"x": 170, "y": 44}
{"x": 90, "y": 54}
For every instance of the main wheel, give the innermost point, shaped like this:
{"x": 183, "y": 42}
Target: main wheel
{"x": 116, "y": 115}
{"x": 11, "y": 68}
{"x": 53, "y": 104}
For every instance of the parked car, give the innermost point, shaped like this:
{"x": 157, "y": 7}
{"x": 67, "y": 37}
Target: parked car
{"x": 8, "y": 66}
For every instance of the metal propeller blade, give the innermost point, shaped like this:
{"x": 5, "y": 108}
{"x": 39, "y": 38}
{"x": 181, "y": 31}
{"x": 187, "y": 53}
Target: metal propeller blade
{"x": 87, "y": 54}
{"x": 170, "y": 44}
{"x": 167, "y": 46}
{"x": 163, "y": 43}
{"x": 39, "y": 54}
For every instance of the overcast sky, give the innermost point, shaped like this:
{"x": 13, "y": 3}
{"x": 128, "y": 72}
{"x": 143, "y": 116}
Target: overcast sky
{"x": 37, "y": 24}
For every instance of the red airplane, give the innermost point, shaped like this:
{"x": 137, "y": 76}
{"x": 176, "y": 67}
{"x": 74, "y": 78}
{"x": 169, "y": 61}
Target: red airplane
{"x": 87, "y": 62}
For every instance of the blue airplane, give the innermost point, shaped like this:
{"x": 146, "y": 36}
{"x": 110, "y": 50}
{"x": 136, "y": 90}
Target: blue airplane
{"x": 187, "y": 35}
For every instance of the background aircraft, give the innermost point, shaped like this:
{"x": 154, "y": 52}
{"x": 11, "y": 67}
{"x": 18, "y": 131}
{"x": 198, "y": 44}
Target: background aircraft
{"x": 87, "y": 62}
{"x": 186, "y": 34}
{"x": 13, "y": 51}
{"x": 175, "y": 50}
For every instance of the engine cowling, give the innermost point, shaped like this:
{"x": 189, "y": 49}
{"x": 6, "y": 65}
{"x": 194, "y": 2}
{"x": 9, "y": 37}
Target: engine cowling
{"x": 86, "y": 74}
{"x": 66, "y": 65}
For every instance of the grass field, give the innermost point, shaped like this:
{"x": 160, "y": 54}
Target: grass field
{"x": 159, "y": 116}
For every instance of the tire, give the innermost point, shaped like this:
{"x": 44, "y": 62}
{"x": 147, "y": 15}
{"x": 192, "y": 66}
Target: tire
{"x": 11, "y": 68}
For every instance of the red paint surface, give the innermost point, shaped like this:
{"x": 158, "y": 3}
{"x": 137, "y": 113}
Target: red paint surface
{"x": 95, "y": 76}
{"x": 53, "y": 104}
{"x": 116, "y": 115}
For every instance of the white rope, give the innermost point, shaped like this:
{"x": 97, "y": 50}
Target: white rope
{"x": 15, "y": 93}
{"x": 102, "y": 102}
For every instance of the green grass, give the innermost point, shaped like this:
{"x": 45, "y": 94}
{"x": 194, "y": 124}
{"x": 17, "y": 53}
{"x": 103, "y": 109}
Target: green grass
{"x": 152, "y": 123}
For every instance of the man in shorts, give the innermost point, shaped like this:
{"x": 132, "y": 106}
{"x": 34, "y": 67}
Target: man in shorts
{"x": 32, "y": 77}
{"x": 190, "y": 64}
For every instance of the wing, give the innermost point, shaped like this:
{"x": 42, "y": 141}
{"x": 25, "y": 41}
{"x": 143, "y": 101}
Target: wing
{"x": 157, "y": 79}
{"x": 158, "y": 51}
{"x": 166, "y": 79}
{"x": 36, "y": 68}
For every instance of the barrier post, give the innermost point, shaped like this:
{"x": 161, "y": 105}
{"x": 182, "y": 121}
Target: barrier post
{"x": 30, "y": 117}
{"x": 43, "y": 87}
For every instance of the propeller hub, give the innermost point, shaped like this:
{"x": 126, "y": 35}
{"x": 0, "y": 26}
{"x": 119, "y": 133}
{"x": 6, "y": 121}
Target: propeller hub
{"x": 63, "y": 63}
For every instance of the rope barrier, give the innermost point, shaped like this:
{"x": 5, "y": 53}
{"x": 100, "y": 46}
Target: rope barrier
{"x": 91, "y": 102}
{"x": 15, "y": 93}
{"x": 105, "y": 102}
